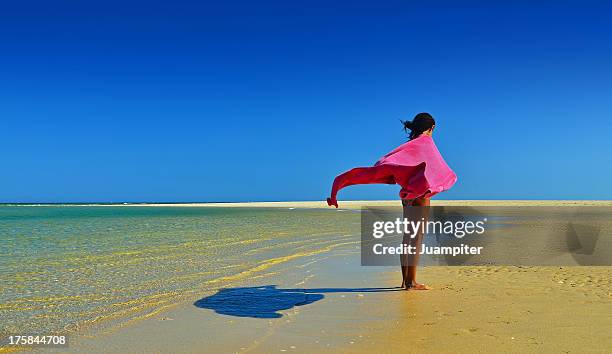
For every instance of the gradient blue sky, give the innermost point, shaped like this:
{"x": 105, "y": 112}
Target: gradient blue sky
{"x": 239, "y": 101}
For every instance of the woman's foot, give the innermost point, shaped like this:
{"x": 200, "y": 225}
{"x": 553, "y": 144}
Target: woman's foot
{"x": 416, "y": 286}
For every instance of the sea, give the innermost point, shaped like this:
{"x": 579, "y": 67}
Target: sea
{"x": 66, "y": 268}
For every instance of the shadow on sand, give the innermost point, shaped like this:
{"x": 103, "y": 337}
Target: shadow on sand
{"x": 265, "y": 301}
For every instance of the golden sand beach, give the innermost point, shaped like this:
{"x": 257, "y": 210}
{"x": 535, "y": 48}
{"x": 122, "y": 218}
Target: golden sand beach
{"x": 327, "y": 302}
{"x": 470, "y": 309}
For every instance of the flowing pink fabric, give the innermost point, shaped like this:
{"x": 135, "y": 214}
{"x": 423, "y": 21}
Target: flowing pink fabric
{"x": 416, "y": 166}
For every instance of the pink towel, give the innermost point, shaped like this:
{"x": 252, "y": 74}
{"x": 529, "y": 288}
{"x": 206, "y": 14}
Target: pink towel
{"x": 416, "y": 166}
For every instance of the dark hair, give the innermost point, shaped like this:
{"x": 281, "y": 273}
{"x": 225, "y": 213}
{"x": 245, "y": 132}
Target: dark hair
{"x": 421, "y": 122}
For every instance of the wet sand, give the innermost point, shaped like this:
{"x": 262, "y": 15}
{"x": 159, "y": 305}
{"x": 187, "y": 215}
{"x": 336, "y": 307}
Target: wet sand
{"x": 329, "y": 303}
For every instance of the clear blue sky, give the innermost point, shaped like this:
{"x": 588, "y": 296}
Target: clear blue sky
{"x": 237, "y": 101}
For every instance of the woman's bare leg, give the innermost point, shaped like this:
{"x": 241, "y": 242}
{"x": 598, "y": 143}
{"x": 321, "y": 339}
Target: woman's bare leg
{"x": 404, "y": 258}
{"x": 409, "y": 270}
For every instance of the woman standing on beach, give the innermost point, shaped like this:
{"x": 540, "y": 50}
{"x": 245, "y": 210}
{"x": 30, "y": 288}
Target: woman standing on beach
{"x": 419, "y": 169}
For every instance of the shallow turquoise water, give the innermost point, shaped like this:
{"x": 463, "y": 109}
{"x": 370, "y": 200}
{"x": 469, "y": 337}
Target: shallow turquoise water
{"x": 69, "y": 267}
